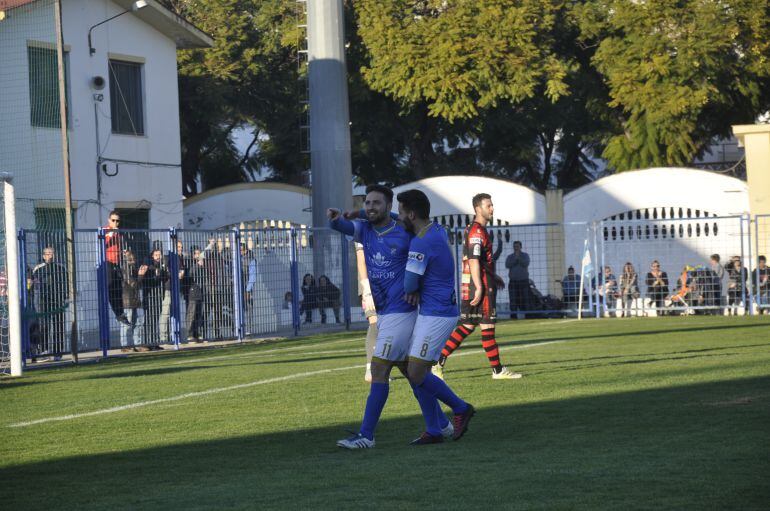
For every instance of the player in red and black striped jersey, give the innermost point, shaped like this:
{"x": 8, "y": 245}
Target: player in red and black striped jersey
{"x": 478, "y": 292}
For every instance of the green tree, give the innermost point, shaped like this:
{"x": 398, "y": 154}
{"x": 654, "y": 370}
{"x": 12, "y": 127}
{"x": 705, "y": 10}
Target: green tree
{"x": 679, "y": 72}
{"x": 248, "y": 80}
{"x": 460, "y": 56}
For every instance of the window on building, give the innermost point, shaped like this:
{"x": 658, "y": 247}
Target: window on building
{"x": 126, "y": 99}
{"x": 137, "y": 240}
{"x": 44, "y": 86}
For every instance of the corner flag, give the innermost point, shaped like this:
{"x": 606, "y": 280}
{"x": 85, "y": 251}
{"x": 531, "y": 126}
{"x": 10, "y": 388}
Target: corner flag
{"x": 587, "y": 266}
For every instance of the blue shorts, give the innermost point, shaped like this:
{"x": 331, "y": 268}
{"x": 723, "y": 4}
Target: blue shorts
{"x": 394, "y": 336}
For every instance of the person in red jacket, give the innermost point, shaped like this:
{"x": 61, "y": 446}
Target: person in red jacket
{"x": 113, "y": 248}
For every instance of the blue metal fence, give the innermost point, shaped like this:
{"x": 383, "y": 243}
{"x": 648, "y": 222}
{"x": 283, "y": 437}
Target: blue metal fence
{"x": 141, "y": 290}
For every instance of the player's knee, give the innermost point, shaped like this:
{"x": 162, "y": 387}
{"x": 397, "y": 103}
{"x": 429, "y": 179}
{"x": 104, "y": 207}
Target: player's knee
{"x": 380, "y": 372}
{"x": 417, "y": 372}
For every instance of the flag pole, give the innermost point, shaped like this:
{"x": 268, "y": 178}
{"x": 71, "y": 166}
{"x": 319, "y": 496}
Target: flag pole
{"x": 582, "y": 279}
{"x": 580, "y": 300}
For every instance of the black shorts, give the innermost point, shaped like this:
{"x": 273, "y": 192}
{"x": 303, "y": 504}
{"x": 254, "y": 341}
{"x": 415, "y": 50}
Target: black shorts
{"x": 485, "y": 313}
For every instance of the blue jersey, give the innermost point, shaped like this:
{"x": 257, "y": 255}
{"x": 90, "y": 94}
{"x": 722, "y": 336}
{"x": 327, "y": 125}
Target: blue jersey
{"x": 431, "y": 258}
{"x": 386, "y": 253}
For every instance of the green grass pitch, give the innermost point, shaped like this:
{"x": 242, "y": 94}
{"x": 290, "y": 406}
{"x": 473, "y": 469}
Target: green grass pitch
{"x": 639, "y": 413}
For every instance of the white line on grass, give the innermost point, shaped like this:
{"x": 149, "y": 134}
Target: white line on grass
{"x": 261, "y": 353}
{"x": 141, "y": 404}
{"x": 218, "y": 390}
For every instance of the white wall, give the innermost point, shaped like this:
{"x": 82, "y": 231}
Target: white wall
{"x": 158, "y": 187}
{"x": 34, "y": 154}
{"x": 695, "y": 197}
{"x": 247, "y": 202}
{"x": 452, "y": 195}
{"x": 657, "y": 187}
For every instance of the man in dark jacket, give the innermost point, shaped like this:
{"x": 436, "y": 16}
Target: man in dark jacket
{"x": 50, "y": 278}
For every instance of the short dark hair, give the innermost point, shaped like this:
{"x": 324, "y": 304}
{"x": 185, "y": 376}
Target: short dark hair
{"x": 387, "y": 192}
{"x": 480, "y": 197}
{"x": 114, "y": 212}
{"x": 715, "y": 257}
{"x": 762, "y": 258}
{"x": 415, "y": 201}
{"x": 517, "y": 241}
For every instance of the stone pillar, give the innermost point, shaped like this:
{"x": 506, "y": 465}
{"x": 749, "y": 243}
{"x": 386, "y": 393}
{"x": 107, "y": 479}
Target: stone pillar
{"x": 755, "y": 138}
{"x": 554, "y": 207}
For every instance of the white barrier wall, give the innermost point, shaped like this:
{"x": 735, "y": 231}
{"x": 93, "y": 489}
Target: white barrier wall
{"x": 247, "y": 202}
{"x": 658, "y": 197}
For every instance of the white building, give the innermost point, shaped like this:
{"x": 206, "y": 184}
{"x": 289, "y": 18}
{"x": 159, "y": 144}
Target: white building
{"x": 677, "y": 215}
{"x": 123, "y": 110}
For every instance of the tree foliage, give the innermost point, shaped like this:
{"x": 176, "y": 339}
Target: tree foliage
{"x": 248, "y": 80}
{"x": 679, "y": 72}
{"x": 529, "y": 90}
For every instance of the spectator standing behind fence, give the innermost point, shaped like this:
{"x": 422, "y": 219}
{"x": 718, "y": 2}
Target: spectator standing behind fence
{"x": 714, "y": 292}
{"x": 328, "y": 297}
{"x": 570, "y": 288}
{"x": 197, "y": 280}
{"x": 165, "y": 310}
{"x": 736, "y": 284}
{"x": 184, "y": 264}
{"x": 629, "y": 289}
{"x": 113, "y": 248}
{"x": 761, "y": 282}
{"x": 248, "y": 282}
{"x": 657, "y": 288}
{"x": 518, "y": 279}
{"x": 309, "y": 297}
{"x": 33, "y": 325}
{"x": 154, "y": 281}
{"x": 131, "y": 285}
{"x": 223, "y": 287}
{"x": 50, "y": 279}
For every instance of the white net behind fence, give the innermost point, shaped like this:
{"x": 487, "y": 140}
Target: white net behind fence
{"x": 5, "y": 356}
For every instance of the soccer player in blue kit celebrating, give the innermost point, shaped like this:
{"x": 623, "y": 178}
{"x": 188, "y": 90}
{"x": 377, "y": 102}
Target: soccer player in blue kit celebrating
{"x": 386, "y": 247}
{"x": 429, "y": 281}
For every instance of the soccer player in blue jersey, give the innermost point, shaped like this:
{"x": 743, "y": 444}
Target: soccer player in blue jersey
{"x": 429, "y": 281}
{"x": 386, "y": 248}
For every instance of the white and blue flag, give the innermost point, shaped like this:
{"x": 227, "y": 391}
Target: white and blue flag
{"x": 586, "y": 264}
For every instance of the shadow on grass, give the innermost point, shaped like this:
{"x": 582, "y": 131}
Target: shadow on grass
{"x": 691, "y": 447}
{"x": 159, "y": 371}
{"x": 632, "y": 333}
{"x": 611, "y": 360}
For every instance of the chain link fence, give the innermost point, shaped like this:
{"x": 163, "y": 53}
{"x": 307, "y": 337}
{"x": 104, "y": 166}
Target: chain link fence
{"x": 760, "y": 278}
{"x": 673, "y": 266}
{"x": 141, "y": 290}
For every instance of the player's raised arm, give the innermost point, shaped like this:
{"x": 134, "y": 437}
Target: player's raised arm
{"x": 338, "y": 223}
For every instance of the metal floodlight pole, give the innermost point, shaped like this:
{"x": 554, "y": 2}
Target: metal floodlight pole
{"x": 329, "y": 125}
{"x": 68, "y": 227}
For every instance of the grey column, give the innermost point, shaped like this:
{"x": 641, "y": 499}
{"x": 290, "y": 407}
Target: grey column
{"x": 329, "y": 119}
{"x": 330, "y": 163}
